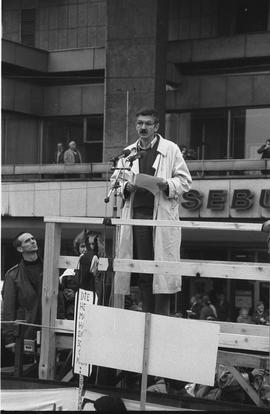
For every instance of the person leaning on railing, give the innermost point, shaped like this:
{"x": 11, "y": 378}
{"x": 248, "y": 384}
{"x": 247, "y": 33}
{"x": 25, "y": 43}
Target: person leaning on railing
{"x": 265, "y": 151}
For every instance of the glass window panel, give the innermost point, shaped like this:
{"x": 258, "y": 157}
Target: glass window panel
{"x": 237, "y": 133}
{"x": 257, "y": 130}
{"x": 251, "y": 16}
{"x": 94, "y": 130}
{"x": 93, "y": 152}
{"x": 28, "y": 27}
{"x": 209, "y": 134}
{"x": 62, "y": 130}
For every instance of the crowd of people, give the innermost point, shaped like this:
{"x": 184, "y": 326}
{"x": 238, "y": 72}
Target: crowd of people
{"x": 202, "y": 308}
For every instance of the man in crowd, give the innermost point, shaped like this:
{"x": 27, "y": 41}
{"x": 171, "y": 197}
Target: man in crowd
{"x": 264, "y": 150}
{"x": 161, "y": 158}
{"x": 22, "y": 290}
{"x": 72, "y": 155}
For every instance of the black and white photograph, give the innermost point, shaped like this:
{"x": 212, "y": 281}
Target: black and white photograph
{"x": 135, "y": 202}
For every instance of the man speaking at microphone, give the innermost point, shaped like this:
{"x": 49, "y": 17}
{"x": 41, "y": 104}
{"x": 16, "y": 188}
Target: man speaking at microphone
{"x": 159, "y": 157}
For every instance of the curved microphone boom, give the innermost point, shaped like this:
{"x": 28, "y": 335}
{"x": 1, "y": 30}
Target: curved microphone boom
{"x": 137, "y": 156}
{"x": 122, "y": 154}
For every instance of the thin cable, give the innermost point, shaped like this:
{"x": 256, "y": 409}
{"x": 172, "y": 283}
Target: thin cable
{"x": 35, "y": 325}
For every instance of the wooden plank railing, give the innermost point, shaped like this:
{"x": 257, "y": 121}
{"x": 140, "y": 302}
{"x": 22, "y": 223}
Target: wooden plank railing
{"x": 244, "y": 340}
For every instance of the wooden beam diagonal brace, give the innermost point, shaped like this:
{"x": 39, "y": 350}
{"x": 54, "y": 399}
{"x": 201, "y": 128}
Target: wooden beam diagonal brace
{"x": 246, "y": 387}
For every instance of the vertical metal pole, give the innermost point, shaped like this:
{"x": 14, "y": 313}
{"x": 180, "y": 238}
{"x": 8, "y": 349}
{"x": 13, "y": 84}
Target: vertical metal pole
{"x": 145, "y": 360}
{"x": 229, "y": 134}
{"x": 41, "y": 131}
{"x": 127, "y": 119}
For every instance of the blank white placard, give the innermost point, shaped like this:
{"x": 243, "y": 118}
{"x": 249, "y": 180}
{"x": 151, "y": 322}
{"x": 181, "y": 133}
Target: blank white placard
{"x": 113, "y": 338}
{"x": 179, "y": 348}
{"x": 183, "y": 349}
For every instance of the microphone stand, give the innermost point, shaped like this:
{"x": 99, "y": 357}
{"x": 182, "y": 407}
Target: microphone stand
{"x": 113, "y": 190}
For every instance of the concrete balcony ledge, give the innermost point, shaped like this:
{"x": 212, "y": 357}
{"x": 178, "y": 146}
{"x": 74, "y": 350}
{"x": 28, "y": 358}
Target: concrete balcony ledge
{"x": 231, "y": 166}
{"x": 23, "y": 56}
{"x": 249, "y": 45}
{"x": 54, "y": 61}
{"x": 76, "y": 60}
{"x": 84, "y": 168}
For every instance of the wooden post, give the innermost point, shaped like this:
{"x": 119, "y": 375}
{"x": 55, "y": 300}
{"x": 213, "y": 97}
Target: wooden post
{"x": 19, "y": 348}
{"x": 49, "y": 300}
{"x": 117, "y": 299}
{"x": 145, "y": 360}
{"x": 80, "y": 392}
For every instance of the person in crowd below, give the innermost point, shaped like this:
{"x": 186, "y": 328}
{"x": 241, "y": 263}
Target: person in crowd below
{"x": 79, "y": 244}
{"x": 208, "y": 311}
{"x": 191, "y": 154}
{"x": 222, "y": 308}
{"x": 89, "y": 276}
{"x": 260, "y": 316}
{"x": 161, "y": 158}
{"x": 72, "y": 155}
{"x": 188, "y": 153}
{"x": 109, "y": 403}
{"x": 244, "y": 316}
{"x": 22, "y": 290}
{"x": 59, "y": 155}
{"x": 264, "y": 150}
{"x": 184, "y": 151}
{"x": 68, "y": 282}
{"x": 196, "y": 306}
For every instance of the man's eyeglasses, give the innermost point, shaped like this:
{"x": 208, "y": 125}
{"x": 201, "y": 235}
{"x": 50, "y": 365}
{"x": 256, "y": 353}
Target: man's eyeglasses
{"x": 148, "y": 124}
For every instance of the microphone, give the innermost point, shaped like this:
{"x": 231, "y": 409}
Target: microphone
{"x": 122, "y": 154}
{"x": 137, "y": 156}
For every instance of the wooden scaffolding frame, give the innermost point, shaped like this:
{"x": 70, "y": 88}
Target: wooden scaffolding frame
{"x": 59, "y": 333}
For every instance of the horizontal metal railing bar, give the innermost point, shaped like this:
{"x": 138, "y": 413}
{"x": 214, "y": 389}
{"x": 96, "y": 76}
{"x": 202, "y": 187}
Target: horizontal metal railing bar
{"x": 102, "y": 168}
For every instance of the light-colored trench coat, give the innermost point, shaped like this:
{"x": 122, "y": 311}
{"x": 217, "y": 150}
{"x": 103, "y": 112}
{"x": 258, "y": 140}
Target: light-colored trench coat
{"x": 170, "y": 165}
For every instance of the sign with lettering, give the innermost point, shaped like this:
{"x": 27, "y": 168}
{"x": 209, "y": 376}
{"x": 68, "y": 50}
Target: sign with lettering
{"x": 84, "y": 299}
{"x": 227, "y": 198}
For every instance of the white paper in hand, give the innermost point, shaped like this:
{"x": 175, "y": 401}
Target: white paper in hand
{"x": 148, "y": 182}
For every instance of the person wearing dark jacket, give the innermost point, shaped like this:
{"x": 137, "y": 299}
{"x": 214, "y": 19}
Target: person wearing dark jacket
{"x": 265, "y": 151}
{"x": 22, "y": 290}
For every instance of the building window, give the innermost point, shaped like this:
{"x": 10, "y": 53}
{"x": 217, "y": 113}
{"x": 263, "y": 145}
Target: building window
{"x": 28, "y": 17}
{"x": 251, "y": 16}
{"x": 220, "y": 133}
{"x": 86, "y": 131}
{"x": 242, "y": 16}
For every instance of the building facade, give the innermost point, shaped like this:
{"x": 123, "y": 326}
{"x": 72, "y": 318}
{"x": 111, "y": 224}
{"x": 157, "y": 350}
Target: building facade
{"x": 80, "y": 69}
